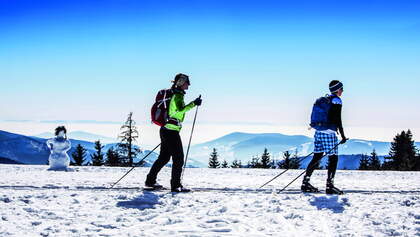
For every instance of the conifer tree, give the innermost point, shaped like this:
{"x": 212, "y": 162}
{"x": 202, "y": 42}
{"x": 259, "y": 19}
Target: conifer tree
{"x": 265, "y": 160}
{"x": 289, "y": 162}
{"x": 79, "y": 155}
{"x": 255, "y": 162}
{"x": 364, "y": 163}
{"x": 294, "y": 161}
{"x": 224, "y": 164}
{"x": 98, "y": 156}
{"x": 128, "y": 136}
{"x": 402, "y": 155}
{"x": 374, "y": 162}
{"x": 112, "y": 157}
{"x": 213, "y": 160}
{"x": 285, "y": 163}
{"x": 236, "y": 164}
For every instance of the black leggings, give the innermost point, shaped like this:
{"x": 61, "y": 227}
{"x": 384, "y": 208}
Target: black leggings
{"x": 332, "y": 165}
{"x": 171, "y": 146}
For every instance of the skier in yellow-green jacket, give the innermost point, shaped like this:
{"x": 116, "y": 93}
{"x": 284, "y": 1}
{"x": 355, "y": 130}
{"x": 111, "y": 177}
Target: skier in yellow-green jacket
{"x": 171, "y": 144}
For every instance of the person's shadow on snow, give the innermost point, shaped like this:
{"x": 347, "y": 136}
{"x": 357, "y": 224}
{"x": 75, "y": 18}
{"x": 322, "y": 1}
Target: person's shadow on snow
{"x": 146, "y": 200}
{"x": 330, "y": 202}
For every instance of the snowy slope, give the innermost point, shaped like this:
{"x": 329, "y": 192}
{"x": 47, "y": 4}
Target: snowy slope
{"x": 36, "y": 202}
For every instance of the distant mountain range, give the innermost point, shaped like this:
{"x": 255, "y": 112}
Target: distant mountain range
{"x": 241, "y": 146}
{"x": 244, "y": 146}
{"x": 20, "y": 149}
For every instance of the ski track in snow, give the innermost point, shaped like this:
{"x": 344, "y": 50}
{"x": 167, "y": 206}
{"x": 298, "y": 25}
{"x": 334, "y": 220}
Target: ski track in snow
{"x": 36, "y": 202}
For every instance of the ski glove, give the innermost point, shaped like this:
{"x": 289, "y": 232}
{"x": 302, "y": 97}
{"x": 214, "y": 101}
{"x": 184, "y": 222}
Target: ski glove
{"x": 198, "y": 101}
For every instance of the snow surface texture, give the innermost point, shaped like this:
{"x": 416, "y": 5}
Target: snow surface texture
{"x": 226, "y": 202}
{"x": 59, "y": 160}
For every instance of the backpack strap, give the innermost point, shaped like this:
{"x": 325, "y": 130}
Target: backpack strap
{"x": 165, "y": 99}
{"x": 167, "y": 96}
{"x": 332, "y": 97}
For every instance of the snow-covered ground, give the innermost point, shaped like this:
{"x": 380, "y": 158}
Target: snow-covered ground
{"x": 226, "y": 202}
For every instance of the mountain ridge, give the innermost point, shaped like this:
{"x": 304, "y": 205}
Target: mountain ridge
{"x": 33, "y": 150}
{"x": 244, "y": 146}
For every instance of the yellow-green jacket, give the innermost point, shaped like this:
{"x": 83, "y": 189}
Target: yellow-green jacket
{"x": 177, "y": 110}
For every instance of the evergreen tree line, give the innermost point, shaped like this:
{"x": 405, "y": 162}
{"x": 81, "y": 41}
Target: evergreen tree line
{"x": 403, "y": 156}
{"x": 371, "y": 162}
{"x": 263, "y": 162}
{"x": 113, "y": 157}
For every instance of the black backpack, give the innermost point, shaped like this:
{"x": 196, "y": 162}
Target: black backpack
{"x": 320, "y": 111}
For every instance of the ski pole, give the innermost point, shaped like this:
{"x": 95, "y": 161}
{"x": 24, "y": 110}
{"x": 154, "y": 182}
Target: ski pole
{"x": 310, "y": 167}
{"x": 132, "y": 168}
{"x": 300, "y": 160}
{"x": 189, "y": 143}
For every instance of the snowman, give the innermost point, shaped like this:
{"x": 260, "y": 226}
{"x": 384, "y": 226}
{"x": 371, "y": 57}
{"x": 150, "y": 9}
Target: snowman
{"x": 59, "y": 145}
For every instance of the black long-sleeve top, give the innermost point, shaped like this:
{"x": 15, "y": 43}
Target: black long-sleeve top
{"x": 334, "y": 115}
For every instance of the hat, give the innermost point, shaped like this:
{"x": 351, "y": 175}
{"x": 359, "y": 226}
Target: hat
{"x": 335, "y": 86}
{"x": 181, "y": 79}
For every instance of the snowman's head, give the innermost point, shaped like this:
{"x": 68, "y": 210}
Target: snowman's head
{"x": 61, "y": 131}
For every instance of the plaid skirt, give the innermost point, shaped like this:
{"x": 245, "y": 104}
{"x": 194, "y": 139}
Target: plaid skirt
{"x": 325, "y": 143}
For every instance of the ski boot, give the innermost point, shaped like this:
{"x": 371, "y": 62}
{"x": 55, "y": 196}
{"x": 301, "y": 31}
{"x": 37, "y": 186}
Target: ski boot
{"x": 180, "y": 189}
{"x": 331, "y": 189}
{"x": 152, "y": 186}
{"x": 308, "y": 187}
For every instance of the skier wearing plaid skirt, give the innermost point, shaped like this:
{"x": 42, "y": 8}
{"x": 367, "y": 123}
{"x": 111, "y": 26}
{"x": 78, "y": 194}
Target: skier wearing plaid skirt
{"x": 326, "y": 119}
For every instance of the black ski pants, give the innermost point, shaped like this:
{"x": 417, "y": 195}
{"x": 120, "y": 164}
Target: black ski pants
{"x": 332, "y": 165}
{"x": 171, "y": 146}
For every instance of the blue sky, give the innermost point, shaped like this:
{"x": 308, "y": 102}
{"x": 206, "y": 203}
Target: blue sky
{"x": 254, "y": 62}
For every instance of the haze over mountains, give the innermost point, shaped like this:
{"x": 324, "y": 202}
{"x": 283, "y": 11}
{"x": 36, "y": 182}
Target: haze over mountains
{"x": 240, "y": 146}
{"x": 80, "y": 135}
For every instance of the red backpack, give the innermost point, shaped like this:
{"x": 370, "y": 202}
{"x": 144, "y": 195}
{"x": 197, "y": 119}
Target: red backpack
{"x": 161, "y": 106}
